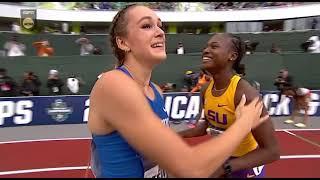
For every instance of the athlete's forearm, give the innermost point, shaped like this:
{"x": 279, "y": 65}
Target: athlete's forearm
{"x": 257, "y": 157}
{"x": 198, "y": 130}
{"x": 193, "y": 132}
{"x": 218, "y": 149}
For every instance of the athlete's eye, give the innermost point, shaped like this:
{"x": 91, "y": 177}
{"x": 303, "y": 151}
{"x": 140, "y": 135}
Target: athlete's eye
{"x": 214, "y": 46}
{"x": 146, "y": 26}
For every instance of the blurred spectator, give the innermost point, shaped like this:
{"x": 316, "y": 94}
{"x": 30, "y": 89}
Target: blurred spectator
{"x": 73, "y": 84}
{"x": 56, "y": 29}
{"x": 314, "y": 46}
{"x": 105, "y": 6}
{"x": 202, "y": 80}
{"x": 266, "y": 28}
{"x": 82, "y": 6}
{"x": 314, "y": 23}
{"x": 275, "y": 49}
{"x": 14, "y": 47}
{"x": 43, "y": 48}
{"x": 266, "y": 4}
{"x": 161, "y": 6}
{"x": 250, "y": 46}
{"x": 15, "y": 27}
{"x": 220, "y": 6}
{"x": 30, "y": 85}
{"x": 305, "y": 46}
{"x": 8, "y": 86}
{"x": 85, "y": 45}
{"x": 168, "y": 87}
{"x": 184, "y": 89}
{"x": 94, "y": 5}
{"x": 82, "y": 30}
{"x": 97, "y": 51}
{"x": 230, "y": 5}
{"x": 65, "y": 28}
{"x": 283, "y": 82}
{"x": 190, "y": 79}
{"x": 47, "y": 29}
{"x": 54, "y": 83}
{"x": 180, "y": 49}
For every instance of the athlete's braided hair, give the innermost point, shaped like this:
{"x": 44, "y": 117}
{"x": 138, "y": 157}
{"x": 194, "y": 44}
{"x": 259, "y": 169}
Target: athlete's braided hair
{"x": 119, "y": 28}
{"x": 239, "y": 47}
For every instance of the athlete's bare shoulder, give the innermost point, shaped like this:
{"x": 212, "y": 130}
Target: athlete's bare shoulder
{"x": 115, "y": 92}
{"x": 244, "y": 87}
{"x": 111, "y": 75}
{"x": 112, "y": 79}
{"x": 101, "y": 97}
{"x": 112, "y": 84}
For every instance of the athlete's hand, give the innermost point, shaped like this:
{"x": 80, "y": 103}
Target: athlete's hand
{"x": 250, "y": 114}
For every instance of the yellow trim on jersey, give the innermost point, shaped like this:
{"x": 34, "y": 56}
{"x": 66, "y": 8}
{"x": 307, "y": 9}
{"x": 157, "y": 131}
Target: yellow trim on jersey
{"x": 220, "y": 113}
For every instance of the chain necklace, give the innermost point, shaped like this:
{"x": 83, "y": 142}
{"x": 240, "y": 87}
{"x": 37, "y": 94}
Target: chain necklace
{"x": 214, "y": 88}
{"x": 136, "y": 80}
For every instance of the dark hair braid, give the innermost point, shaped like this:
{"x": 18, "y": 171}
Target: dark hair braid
{"x": 239, "y": 48}
{"x": 118, "y": 28}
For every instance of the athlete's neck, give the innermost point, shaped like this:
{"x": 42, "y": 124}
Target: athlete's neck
{"x": 141, "y": 74}
{"x": 222, "y": 79}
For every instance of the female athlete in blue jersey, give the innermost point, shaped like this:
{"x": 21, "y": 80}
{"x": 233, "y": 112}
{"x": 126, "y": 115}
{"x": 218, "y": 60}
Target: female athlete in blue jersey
{"x": 127, "y": 118}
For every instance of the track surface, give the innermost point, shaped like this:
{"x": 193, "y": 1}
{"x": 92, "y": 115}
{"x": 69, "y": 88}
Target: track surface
{"x": 63, "y": 150}
{"x": 300, "y": 156}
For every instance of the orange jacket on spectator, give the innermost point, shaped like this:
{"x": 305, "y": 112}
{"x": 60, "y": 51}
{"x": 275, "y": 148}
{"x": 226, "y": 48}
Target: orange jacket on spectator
{"x": 43, "y": 48}
{"x": 202, "y": 81}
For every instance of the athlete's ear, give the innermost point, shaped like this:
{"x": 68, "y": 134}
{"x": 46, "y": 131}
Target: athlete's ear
{"x": 122, "y": 44}
{"x": 233, "y": 56}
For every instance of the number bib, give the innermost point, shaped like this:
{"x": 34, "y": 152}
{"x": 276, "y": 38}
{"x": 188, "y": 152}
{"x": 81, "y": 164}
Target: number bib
{"x": 155, "y": 172}
{"x": 152, "y": 170}
{"x": 214, "y": 131}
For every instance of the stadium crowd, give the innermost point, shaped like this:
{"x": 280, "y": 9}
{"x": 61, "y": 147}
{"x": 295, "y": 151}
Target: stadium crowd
{"x": 159, "y": 6}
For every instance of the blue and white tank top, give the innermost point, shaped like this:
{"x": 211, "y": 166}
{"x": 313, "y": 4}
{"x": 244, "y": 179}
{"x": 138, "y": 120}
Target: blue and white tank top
{"x": 113, "y": 157}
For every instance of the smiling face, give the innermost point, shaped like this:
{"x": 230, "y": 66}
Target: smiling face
{"x": 219, "y": 54}
{"x": 144, "y": 38}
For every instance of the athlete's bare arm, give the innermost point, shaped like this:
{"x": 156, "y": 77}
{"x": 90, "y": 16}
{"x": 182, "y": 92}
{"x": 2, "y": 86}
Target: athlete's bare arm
{"x": 264, "y": 134}
{"x": 201, "y": 126}
{"x": 125, "y": 109}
